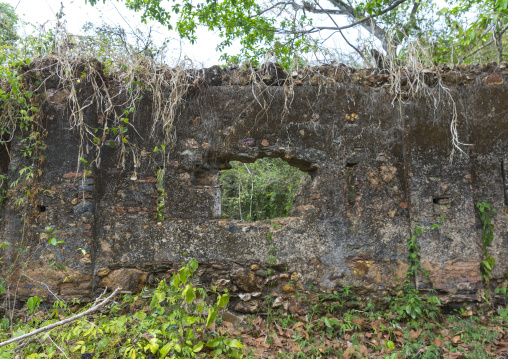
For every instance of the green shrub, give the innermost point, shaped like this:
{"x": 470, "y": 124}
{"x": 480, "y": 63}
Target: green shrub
{"x": 174, "y": 323}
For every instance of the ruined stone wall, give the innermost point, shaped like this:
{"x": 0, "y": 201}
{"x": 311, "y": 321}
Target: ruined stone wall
{"x": 378, "y": 167}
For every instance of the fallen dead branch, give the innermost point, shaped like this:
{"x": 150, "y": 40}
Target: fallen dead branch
{"x": 92, "y": 309}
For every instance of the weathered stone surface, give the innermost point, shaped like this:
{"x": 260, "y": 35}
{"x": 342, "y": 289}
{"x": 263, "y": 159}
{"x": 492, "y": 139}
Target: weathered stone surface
{"x": 127, "y": 279}
{"x": 250, "y": 307}
{"x": 246, "y": 280}
{"x": 376, "y": 171}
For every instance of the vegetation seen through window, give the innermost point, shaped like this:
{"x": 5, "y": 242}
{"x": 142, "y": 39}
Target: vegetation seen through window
{"x": 260, "y": 190}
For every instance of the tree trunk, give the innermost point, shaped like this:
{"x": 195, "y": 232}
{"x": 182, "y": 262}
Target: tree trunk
{"x": 499, "y": 43}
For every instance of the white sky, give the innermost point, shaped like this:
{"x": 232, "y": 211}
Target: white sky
{"x": 203, "y": 52}
{"x": 77, "y": 13}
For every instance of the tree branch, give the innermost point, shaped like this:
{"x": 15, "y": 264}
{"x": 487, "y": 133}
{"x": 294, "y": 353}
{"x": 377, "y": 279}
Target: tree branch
{"x": 310, "y": 8}
{"x": 272, "y": 7}
{"x": 353, "y": 24}
{"x": 345, "y": 39}
{"x": 484, "y": 46}
{"x": 62, "y": 322}
{"x": 371, "y": 27}
{"x": 368, "y": 22}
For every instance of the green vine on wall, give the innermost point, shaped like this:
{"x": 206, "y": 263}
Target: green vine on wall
{"x": 19, "y": 112}
{"x": 414, "y": 255}
{"x": 409, "y": 303}
{"x": 160, "y": 194}
{"x": 486, "y": 215}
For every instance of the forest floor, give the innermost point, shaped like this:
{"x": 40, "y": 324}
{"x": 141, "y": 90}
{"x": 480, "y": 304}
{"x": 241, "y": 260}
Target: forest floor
{"x": 358, "y": 334}
{"x": 327, "y": 330}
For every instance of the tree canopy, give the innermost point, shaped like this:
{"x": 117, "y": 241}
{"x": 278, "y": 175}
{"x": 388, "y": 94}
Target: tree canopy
{"x": 285, "y": 28}
{"x": 8, "y": 22}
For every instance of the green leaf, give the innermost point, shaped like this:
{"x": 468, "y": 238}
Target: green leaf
{"x": 223, "y": 300}
{"x": 212, "y": 315}
{"x": 212, "y": 343}
{"x": 217, "y": 351}
{"x": 165, "y": 350}
{"x": 33, "y": 302}
{"x": 197, "y": 348}
{"x": 193, "y": 264}
{"x": 235, "y": 343}
{"x": 176, "y": 281}
{"x": 171, "y": 327}
{"x": 188, "y": 293}
{"x": 184, "y": 275}
{"x": 154, "y": 347}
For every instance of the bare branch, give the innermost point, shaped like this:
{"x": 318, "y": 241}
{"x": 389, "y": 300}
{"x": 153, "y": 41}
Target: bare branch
{"x": 344, "y": 8}
{"x": 47, "y": 287}
{"x": 92, "y": 309}
{"x": 310, "y": 8}
{"x": 353, "y": 24}
{"x": 368, "y": 22}
{"x": 482, "y": 47}
{"x": 272, "y": 7}
{"x": 345, "y": 39}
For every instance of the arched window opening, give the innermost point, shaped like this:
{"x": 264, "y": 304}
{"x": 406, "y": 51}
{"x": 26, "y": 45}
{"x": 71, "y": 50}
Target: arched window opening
{"x": 261, "y": 190}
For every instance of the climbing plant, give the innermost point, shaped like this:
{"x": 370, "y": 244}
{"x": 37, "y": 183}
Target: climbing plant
{"x": 486, "y": 215}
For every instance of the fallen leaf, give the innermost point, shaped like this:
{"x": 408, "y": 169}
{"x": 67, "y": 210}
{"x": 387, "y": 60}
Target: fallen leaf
{"x": 148, "y": 336}
{"x": 363, "y": 350}
{"x": 415, "y": 334}
{"x": 349, "y": 351}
